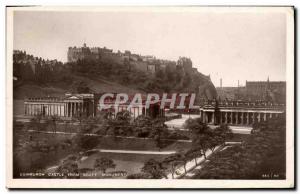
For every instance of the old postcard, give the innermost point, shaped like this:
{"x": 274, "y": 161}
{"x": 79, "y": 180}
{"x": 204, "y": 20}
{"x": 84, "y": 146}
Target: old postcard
{"x": 150, "y": 97}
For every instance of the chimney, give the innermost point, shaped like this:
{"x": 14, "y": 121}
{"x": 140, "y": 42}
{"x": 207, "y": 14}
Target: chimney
{"x": 221, "y": 83}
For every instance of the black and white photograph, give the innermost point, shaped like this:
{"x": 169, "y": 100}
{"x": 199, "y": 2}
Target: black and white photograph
{"x": 195, "y": 97}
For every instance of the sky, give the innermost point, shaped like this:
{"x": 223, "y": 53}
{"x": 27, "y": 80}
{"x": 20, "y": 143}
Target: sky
{"x": 229, "y": 46}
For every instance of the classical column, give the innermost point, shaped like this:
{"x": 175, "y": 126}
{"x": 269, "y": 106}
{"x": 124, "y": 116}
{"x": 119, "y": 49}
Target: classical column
{"x": 61, "y": 109}
{"x": 213, "y": 118}
{"x": 265, "y": 116}
{"x": 79, "y": 108}
{"x": 253, "y": 118}
{"x": 237, "y": 118}
{"x": 226, "y": 119}
{"x": 231, "y": 118}
{"x": 67, "y": 109}
{"x": 247, "y": 118}
{"x": 242, "y": 118}
{"x": 71, "y": 109}
{"x": 271, "y": 114}
{"x": 258, "y": 117}
{"x": 94, "y": 113}
{"x": 31, "y": 109}
{"x": 74, "y": 109}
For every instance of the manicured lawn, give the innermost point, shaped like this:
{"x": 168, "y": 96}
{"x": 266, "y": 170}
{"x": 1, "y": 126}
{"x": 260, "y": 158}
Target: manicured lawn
{"x": 130, "y": 163}
{"x": 29, "y": 161}
{"x": 139, "y": 144}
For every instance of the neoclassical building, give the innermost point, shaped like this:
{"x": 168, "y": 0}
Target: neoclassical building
{"x": 239, "y": 112}
{"x": 74, "y": 105}
{"x": 154, "y": 110}
{"x": 71, "y": 105}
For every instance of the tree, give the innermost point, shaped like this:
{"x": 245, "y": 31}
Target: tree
{"x": 84, "y": 142}
{"x": 36, "y": 122}
{"x": 261, "y": 153}
{"x": 79, "y": 118}
{"x": 200, "y": 134}
{"x": 155, "y": 169}
{"x": 142, "y": 126}
{"x": 52, "y": 121}
{"x": 83, "y": 139}
{"x": 103, "y": 164}
{"x": 219, "y": 135}
{"x": 68, "y": 165}
{"x": 174, "y": 160}
{"x": 157, "y": 132}
{"x": 121, "y": 124}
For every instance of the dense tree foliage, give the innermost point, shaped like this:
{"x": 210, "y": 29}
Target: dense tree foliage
{"x": 69, "y": 165}
{"x": 103, "y": 164}
{"x": 204, "y": 138}
{"x": 261, "y": 156}
{"x": 154, "y": 168}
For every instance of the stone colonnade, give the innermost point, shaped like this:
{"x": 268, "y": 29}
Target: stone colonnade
{"x": 61, "y": 109}
{"x": 237, "y": 117}
{"x": 45, "y": 109}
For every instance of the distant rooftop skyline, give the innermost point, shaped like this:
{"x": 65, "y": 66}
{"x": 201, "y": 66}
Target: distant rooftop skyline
{"x": 231, "y": 46}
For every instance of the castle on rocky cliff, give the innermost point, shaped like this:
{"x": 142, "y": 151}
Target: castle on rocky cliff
{"x": 145, "y": 63}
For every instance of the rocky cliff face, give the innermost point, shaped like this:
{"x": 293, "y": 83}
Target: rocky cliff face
{"x": 207, "y": 90}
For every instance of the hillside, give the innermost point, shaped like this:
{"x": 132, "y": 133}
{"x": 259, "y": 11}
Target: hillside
{"x": 98, "y": 85}
{"x": 36, "y": 77}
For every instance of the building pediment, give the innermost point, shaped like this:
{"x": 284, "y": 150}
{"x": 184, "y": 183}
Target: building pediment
{"x": 72, "y": 98}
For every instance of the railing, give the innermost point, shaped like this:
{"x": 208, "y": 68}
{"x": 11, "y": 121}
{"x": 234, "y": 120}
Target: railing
{"x": 44, "y": 99}
{"x": 245, "y": 104}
